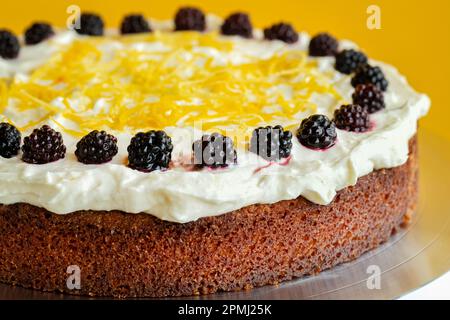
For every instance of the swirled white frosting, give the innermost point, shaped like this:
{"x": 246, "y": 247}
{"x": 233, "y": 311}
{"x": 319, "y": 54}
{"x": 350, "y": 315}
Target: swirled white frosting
{"x": 182, "y": 196}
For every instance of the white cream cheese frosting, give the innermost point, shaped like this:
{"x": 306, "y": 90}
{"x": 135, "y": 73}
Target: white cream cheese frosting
{"x": 181, "y": 195}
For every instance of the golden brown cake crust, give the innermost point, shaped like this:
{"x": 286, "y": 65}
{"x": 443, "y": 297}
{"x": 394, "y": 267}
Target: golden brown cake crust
{"x": 130, "y": 255}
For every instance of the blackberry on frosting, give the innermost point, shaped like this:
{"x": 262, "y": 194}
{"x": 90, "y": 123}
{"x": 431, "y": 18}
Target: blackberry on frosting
{"x": 323, "y": 45}
{"x": 10, "y": 139}
{"x": 214, "y": 151}
{"x": 370, "y": 75}
{"x": 348, "y": 61}
{"x": 370, "y": 97}
{"x": 90, "y": 24}
{"x": 238, "y": 24}
{"x": 97, "y": 147}
{"x": 9, "y": 45}
{"x": 38, "y": 32}
{"x": 352, "y": 118}
{"x": 190, "y": 18}
{"x": 150, "y": 151}
{"x": 317, "y": 132}
{"x": 44, "y": 145}
{"x": 281, "y": 31}
{"x": 134, "y": 23}
{"x": 271, "y": 143}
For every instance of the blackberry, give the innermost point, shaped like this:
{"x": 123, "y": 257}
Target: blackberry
{"x": 91, "y": 24}
{"x": 9, "y": 140}
{"x": 323, "y": 45}
{"x": 97, "y": 147}
{"x": 281, "y": 31}
{"x": 214, "y": 151}
{"x": 238, "y": 24}
{"x": 38, "y": 32}
{"x": 150, "y": 151}
{"x": 348, "y": 61}
{"x": 44, "y": 145}
{"x": 370, "y": 97}
{"x": 190, "y": 18}
{"x": 317, "y": 132}
{"x": 134, "y": 23}
{"x": 370, "y": 75}
{"x": 352, "y": 118}
{"x": 9, "y": 45}
{"x": 271, "y": 143}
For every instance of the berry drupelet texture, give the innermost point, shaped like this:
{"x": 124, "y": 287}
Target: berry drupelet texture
{"x": 91, "y": 24}
{"x": 9, "y": 140}
{"x": 317, "y": 132}
{"x": 370, "y": 75}
{"x": 281, "y": 31}
{"x": 348, "y": 61}
{"x": 238, "y": 24}
{"x": 134, "y": 23}
{"x": 352, "y": 118}
{"x": 190, "y": 18}
{"x": 97, "y": 147}
{"x": 9, "y": 45}
{"x": 150, "y": 151}
{"x": 369, "y": 97}
{"x": 323, "y": 45}
{"x": 44, "y": 145}
{"x": 271, "y": 143}
{"x": 214, "y": 151}
{"x": 38, "y": 32}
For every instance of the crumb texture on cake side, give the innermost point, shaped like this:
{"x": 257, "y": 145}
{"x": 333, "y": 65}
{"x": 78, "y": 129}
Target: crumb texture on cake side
{"x": 126, "y": 255}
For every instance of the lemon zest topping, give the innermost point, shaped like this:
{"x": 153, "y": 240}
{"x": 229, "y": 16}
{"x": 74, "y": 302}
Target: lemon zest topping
{"x": 176, "y": 84}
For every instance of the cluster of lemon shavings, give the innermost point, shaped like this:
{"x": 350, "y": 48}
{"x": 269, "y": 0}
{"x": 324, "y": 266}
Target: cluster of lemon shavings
{"x": 179, "y": 86}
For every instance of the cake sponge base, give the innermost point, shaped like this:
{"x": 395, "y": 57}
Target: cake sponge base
{"x": 137, "y": 255}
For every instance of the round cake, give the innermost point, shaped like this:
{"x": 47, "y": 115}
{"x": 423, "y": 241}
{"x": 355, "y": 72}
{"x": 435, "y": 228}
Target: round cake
{"x": 196, "y": 155}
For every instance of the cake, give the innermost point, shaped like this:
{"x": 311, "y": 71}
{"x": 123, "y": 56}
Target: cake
{"x": 196, "y": 155}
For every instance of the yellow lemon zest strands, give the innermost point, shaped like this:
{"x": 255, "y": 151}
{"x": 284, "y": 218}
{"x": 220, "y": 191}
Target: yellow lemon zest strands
{"x": 173, "y": 85}
{"x": 3, "y": 95}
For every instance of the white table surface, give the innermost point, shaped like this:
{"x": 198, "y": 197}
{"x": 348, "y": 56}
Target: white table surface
{"x": 439, "y": 289}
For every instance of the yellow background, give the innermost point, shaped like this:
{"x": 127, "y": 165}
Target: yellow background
{"x": 415, "y": 34}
